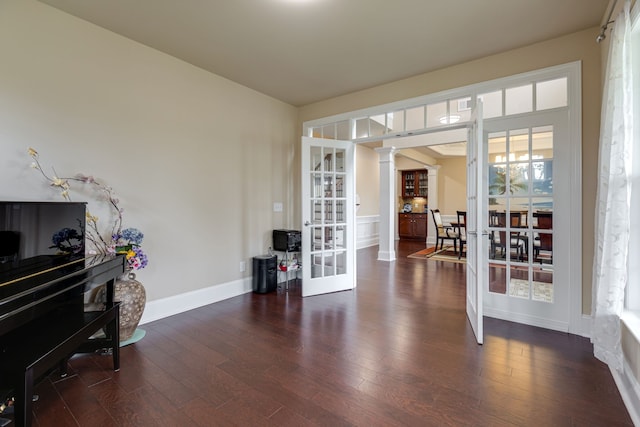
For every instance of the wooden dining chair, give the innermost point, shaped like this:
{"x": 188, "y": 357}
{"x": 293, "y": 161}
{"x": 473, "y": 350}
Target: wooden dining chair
{"x": 543, "y": 241}
{"x": 443, "y": 232}
{"x": 515, "y": 241}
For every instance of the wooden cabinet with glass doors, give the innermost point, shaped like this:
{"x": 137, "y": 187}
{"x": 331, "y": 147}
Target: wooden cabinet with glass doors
{"x": 415, "y": 183}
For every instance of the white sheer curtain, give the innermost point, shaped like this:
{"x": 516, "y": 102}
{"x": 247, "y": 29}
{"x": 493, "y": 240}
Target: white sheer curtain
{"x": 613, "y": 197}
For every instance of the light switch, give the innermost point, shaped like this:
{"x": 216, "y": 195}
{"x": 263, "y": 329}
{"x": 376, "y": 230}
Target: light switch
{"x": 277, "y": 207}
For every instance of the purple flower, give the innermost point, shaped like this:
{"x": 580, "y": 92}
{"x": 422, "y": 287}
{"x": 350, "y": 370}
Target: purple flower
{"x": 138, "y": 261}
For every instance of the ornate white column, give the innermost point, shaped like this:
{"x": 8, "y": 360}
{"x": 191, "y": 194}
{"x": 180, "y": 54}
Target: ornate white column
{"x": 386, "y": 248}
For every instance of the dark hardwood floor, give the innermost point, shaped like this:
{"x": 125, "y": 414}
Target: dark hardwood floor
{"x": 396, "y": 351}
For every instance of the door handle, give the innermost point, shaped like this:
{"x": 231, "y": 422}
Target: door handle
{"x": 307, "y": 223}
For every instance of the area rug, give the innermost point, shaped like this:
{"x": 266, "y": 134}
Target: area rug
{"x": 445, "y": 254}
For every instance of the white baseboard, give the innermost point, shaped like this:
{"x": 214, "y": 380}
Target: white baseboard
{"x": 365, "y": 243}
{"x": 165, "y": 307}
{"x": 386, "y": 255}
{"x": 629, "y": 391}
{"x": 367, "y": 235}
{"x": 527, "y": 320}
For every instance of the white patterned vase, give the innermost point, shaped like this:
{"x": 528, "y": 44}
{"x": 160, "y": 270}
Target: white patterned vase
{"x": 132, "y": 297}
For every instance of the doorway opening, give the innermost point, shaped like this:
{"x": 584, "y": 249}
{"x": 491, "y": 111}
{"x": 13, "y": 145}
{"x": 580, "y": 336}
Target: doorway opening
{"x": 523, "y": 97}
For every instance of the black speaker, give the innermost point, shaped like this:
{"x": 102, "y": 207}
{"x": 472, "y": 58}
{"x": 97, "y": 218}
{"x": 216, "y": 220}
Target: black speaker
{"x": 265, "y": 274}
{"x": 287, "y": 240}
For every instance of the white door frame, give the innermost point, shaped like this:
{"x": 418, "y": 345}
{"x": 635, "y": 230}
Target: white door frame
{"x": 578, "y": 324}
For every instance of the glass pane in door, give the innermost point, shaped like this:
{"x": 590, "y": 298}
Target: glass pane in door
{"x": 340, "y": 179}
{"x": 316, "y": 185}
{"x": 316, "y": 158}
{"x": 340, "y": 211}
{"x": 328, "y": 185}
{"x": 316, "y": 239}
{"x": 316, "y": 266}
{"x": 341, "y": 237}
{"x": 339, "y": 163}
{"x": 316, "y": 212}
{"x": 543, "y": 285}
{"x": 520, "y": 203}
{"x": 519, "y": 286}
{"x": 341, "y": 262}
{"x": 497, "y": 279}
{"x": 327, "y": 210}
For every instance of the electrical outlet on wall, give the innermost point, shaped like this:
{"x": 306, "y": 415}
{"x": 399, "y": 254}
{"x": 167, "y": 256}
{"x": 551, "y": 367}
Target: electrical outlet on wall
{"x": 277, "y": 206}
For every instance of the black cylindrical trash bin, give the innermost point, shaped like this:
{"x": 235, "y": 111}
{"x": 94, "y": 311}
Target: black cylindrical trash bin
{"x": 265, "y": 273}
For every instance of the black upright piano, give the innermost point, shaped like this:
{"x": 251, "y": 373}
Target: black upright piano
{"x": 43, "y": 316}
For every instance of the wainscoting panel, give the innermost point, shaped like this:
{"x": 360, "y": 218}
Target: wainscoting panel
{"x": 367, "y": 231}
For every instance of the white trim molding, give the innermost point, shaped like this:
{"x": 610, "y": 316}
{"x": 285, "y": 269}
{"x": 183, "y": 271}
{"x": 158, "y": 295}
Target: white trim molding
{"x": 367, "y": 231}
{"x": 626, "y": 381}
{"x": 629, "y": 391}
{"x": 526, "y": 319}
{"x": 165, "y": 307}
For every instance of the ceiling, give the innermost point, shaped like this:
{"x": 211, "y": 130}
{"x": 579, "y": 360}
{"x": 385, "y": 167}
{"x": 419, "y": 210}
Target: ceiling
{"x": 303, "y": 51}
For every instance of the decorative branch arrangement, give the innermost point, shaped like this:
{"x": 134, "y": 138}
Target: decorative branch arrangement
{"x": 119, "y": 241}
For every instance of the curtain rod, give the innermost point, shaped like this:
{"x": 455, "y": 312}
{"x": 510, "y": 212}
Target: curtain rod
{"x": 602, "y": 35}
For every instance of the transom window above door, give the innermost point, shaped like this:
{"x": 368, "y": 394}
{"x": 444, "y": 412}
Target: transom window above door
{"x": 539, "y": 95}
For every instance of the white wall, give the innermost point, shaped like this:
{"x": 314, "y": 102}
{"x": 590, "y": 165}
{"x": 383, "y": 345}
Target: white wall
{"x": 367, "y": 180}
{"x": 452, "y": 185}
{"x": 368, "y": 189}
{"x": 196, "y": 160}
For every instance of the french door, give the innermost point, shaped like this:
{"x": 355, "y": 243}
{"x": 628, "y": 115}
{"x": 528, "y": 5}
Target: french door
{"x": 476, "y": 240}
{"x": 528, "y": 199}
{"x": 328, "y": 216}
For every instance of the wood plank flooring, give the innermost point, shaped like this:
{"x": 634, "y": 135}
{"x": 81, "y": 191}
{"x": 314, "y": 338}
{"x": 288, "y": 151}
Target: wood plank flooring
{"x": 397, "y": 351}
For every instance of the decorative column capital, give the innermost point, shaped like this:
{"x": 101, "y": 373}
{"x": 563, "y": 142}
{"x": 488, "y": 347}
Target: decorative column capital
{"x": 386, "y": 153}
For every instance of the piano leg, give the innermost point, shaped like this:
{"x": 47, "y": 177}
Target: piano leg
{"x": 23, "y": 413}
{"x": 114, "y": 331}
